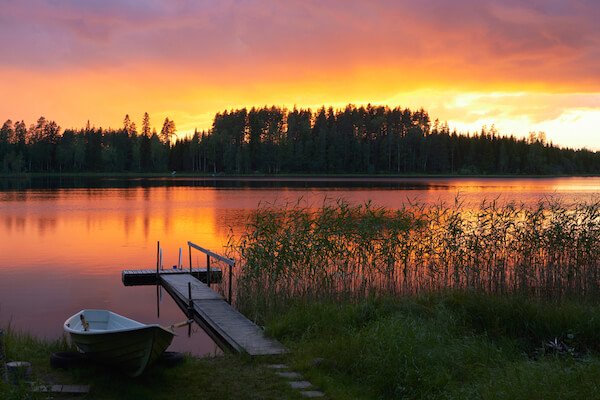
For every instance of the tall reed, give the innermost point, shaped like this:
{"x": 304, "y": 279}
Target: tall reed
{"x": 352, "y": 251}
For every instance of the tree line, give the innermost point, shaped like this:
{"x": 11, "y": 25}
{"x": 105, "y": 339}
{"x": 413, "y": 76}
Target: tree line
{"x": 274, "y": 140}
{"x": 42, "y": 147}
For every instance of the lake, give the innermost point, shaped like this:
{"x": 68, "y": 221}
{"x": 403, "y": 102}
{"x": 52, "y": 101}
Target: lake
{"x": 64, "y": 241}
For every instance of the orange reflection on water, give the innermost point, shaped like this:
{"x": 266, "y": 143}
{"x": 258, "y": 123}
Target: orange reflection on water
{"x": 105, "y": 230}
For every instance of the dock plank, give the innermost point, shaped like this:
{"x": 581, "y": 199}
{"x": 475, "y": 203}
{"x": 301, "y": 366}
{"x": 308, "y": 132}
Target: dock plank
{"x": 179, "y": 283}
{"x": 243, "y": 332}
{"x": 140, "y": 277}
{"x": 221, "y": 321}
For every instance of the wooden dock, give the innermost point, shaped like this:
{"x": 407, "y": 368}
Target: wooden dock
{"x": 224, "y": 324}
{"x": 140, "y": 277}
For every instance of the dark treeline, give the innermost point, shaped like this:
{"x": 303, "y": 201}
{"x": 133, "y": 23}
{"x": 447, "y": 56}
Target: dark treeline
{"x": 43, "y": 148}
{"x": 371, "y": 139}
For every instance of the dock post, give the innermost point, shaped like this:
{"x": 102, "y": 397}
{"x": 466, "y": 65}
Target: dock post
{"x": 208, "y": 270}
{"x": 158, "y": 301}
{"x": 190, "y": 253}
{"x": 157, "y": 256}
{"x": 157, "y": 280}
{"x": 190, "y": 308}
{"x": 230, "y": 280}
{"x": 190, "y": 303}
{"x": 157, "y": 260}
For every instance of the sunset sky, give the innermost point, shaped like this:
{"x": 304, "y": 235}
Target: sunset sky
{"x": 520, "y": 65}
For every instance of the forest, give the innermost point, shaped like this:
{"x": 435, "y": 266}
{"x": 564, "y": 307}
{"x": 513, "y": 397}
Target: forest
{"x": 274, "y": 140}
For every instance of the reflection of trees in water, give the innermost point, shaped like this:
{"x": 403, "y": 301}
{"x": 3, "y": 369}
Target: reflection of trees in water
{"x": 549, "y": 249}
{"x": 13, "y": 222}
{"x": 18, "y": 224}
{"x": 46, "y": 225}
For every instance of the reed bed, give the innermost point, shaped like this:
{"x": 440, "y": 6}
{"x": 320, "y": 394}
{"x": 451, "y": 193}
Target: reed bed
{"x": 340, "y": 250}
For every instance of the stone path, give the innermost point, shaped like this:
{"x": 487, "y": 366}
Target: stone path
{"x": 296, "y": 381}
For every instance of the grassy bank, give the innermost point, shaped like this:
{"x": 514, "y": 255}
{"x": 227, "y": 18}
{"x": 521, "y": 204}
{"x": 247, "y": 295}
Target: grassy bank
{"x": 452, "y": 345}
{"x": 226, "y": 377}
{"x": 439, "y": 301}
{"x": 445, "y": 346}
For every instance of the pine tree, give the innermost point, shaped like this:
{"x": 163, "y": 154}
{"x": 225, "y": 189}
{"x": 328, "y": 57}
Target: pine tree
{"x": 127, "y": 124}
{"x": 146, "y": 125}
{"x": 167, "y": 131}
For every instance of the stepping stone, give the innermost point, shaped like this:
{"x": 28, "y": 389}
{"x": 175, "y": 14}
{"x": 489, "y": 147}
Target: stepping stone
{"x": 289, "y": 375}
{"x": 277, "y": 366}
{"x": 300, "y": 384}
{"x": 311, "y": 394}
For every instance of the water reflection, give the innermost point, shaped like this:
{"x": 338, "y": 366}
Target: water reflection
{"x": 64, "y": 242}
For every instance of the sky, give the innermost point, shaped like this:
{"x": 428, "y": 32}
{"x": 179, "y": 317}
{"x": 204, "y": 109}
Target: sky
{"x": 522, "y": 66}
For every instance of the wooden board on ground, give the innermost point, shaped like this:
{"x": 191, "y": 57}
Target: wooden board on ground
{"x": 65, "y": 389}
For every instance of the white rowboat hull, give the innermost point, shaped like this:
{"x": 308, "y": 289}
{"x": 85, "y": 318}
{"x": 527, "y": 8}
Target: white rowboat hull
{"x": 118, "y": 341}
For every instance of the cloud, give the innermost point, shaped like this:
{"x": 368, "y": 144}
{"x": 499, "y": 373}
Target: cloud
{"x": 537, "y": 107}
{"x": 445, "y": 42}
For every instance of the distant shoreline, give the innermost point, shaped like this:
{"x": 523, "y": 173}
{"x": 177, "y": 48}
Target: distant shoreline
{"x": 278, "y": 177}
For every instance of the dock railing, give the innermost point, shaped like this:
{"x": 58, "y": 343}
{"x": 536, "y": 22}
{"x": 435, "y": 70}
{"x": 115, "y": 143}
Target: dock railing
{"x": 209, "y": 254}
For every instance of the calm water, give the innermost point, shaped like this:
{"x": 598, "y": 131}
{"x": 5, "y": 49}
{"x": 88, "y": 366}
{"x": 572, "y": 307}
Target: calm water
{"x": 64, "y": 242}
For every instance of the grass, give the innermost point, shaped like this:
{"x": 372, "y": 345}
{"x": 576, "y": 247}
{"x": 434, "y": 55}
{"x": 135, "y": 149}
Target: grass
{"x": 430, "y": 301}
{"x": 23, "y": 347}
{"x": 225, "y": 377}
{"x": 288, "y": 252}
{"x": 444, "y": 346}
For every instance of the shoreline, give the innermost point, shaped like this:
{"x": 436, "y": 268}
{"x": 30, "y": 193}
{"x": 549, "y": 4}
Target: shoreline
{"x": 281, "y": 177}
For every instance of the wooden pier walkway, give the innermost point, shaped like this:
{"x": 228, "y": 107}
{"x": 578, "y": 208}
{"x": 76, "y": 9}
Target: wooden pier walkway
{"x": 224, "y": 324}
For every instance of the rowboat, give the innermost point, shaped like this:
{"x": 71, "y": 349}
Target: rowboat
{"x": 112, "y": 339}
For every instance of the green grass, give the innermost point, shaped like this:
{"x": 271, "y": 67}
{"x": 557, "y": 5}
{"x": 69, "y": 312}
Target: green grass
{"x": 450, "y": 345}
{"x": 444, "y": 346}
{"x": 23, "y": 347}
{"x": 225, "y": 377}
{"x": 228, "y": 377}
{"x": 430, "y": 301}
{"x": 546, "y": 250}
